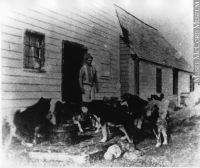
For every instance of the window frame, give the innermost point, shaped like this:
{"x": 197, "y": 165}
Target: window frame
{"x": 36, "y": 43}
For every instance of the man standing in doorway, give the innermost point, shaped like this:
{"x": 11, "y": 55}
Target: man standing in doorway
{"x": 88, "y": 79}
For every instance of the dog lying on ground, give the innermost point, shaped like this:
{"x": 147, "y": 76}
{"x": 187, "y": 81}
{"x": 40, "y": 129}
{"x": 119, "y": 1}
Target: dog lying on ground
{"x": 29, "y": 124}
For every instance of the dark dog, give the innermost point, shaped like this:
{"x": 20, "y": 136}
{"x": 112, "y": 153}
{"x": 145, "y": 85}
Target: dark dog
{"x": 136, "y": 108}
{"x": 30, "y": 124}
{"x": 67, "y": 112}
{"x": 109, "y": 115}
{"x": 156, "y": 97}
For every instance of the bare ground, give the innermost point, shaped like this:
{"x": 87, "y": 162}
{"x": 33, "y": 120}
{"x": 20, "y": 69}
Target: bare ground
{"x": 183, "y": 149}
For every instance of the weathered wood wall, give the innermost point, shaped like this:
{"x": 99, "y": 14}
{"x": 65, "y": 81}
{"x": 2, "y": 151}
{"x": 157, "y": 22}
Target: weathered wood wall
{"x": 124, "y": 69}
{"x": 95, "y": 27}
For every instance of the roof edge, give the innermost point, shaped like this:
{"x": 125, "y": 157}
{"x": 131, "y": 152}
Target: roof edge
{"x": 168, "y": 66}
{"x": 135, "y": 17}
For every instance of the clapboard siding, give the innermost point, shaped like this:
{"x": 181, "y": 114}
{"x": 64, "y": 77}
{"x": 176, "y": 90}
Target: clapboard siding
{"x": 58, "y": 23}
{"x": 96, "y": 28}
{"x": 124, "y": 67}
{"x": 28, "y": 88}
{"x": 67, "y": 35}
{"x": 29, "y": 79}
{"x": 82, "y": 23}
{"x": 13, "y": 46}
{"x": 28, "y": 95}
{"x": 11, "y": 37}
{"x": 18, "y": 63}
{"x": 10, "y": 54}
{"x": 18, "y": 72}
{"x": 75, "y": 24}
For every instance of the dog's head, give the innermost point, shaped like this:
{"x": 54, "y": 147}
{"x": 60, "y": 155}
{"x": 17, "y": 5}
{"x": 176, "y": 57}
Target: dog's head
{"x": 151, "y": 108}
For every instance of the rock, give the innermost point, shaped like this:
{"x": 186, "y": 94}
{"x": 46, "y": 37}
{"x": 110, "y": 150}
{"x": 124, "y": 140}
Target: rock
{"x": 126, "y": 146}
{"x": 113, "y": 152}
{"x": 132, "y": 156}
{"x": 108, "y": 156}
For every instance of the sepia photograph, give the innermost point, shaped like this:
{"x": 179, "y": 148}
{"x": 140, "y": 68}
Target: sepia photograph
{"x": 99, "y": 83}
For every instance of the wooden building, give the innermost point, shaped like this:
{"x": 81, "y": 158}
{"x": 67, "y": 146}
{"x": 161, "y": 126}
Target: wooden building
{"x": 154, "y": 66}
{"x": 42, "y": 49}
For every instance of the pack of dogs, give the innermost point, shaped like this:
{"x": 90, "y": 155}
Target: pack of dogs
{"x": 127, "y": 114}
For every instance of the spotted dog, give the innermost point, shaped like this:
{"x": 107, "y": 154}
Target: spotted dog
{"x": 110, "y": 114}
{"x": 66, "y": 112}
{"x": 159, "y": 109}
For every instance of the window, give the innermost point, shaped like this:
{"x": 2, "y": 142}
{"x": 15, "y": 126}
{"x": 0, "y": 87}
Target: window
{"x": 158, "y": 80}
{"x": 175, "y": 81}
{"x": 34, "y": 50}
{"x": 191, "y": 83}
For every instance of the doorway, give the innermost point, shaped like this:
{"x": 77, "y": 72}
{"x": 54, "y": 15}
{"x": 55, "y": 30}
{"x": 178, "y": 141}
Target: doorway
{"x": 72, "y": 59}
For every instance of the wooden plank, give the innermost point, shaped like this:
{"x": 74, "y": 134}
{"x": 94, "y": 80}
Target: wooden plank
{"x": 12, "y": 62}
{"x": 66, "y": 30}
{"x": 64, "y": 36}
{"x": 69, "y": 22}
{"x": 11, "y": 37}
{"x": 78, "y": 18}
{"x": 9, "y": 45}
{"x": 18, "y": 63}
{"x": 88, "y": 16}
{"x": 20, "y": 24}
{"x": 28, "y": 95}
{"x": 97, "y": 20}
{"x": 53, "y": 47}
{"x": 29, "y": 88}
{"x": 104, "y": 11}
{"x": 54, "y": 41}
{"x": 78, "y": 159}
{"x": 11, "y": 54}
{"x": 12, "y": 29}
{"x": 23, "y": 73}
{"x": 29, "y": 80}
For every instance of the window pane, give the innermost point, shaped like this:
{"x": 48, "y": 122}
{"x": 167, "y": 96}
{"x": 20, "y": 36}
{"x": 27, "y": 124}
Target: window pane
{"x": 26, "y": 50}
{"x": 32, "y": 51}
{"x": 32, "y": 41}
{"x": 26, "y": 40}
{"x": 26, "y": 56}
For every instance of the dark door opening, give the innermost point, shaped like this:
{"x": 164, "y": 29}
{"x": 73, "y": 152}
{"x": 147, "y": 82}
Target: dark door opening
{"x": 72, "y": 59}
